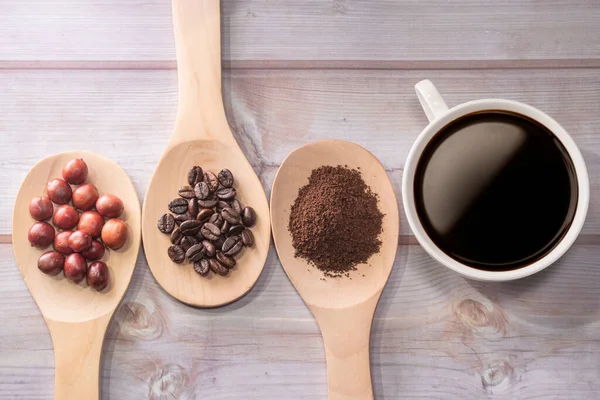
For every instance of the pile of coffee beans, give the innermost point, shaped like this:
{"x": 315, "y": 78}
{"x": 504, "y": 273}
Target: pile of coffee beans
{"x": 207, "y": 224}
{"x": 83, "y": 232}
{"x": 335, "y": 221}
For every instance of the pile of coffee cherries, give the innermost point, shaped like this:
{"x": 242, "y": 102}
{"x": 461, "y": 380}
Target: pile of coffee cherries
{"x": 82, "y": 217}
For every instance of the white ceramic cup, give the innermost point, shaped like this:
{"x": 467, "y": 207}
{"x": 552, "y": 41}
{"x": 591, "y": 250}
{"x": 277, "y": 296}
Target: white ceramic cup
{"x": 439, "y": 116}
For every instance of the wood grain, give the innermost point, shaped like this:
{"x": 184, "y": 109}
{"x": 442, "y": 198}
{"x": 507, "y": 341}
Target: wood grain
{"x": 429, "y": 30}
{"x": 435, "y": 336}
{"x": 307, "y": 64}
{"x": 100, "y": 75}
{"x": 129, "y": 115}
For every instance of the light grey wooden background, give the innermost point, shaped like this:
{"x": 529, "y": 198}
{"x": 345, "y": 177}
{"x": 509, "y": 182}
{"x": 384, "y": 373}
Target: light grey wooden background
{"x": 100, "y": 75}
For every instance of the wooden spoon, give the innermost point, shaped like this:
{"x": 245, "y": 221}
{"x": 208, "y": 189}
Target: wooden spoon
{"x": 343, "y": 307}
{"x": 202, "y": 137}
{"x": 77, "y": 315}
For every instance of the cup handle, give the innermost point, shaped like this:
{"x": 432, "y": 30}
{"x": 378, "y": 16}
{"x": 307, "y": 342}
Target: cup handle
{"x": 431, "y": 100}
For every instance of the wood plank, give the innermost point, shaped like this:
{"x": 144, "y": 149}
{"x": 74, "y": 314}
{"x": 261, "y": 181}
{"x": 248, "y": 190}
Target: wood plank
{"x": 310, "y": 64}
{"x": 128, "y": 115}
{"x": 435, "y": 336}
{"x": 289, "y": 30}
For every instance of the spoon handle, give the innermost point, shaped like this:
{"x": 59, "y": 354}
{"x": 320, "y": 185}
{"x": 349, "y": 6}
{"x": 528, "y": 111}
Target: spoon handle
{"x": 77, "y": 353}
{"x": 200, "y": 114}
{"x": 346, "y": 335}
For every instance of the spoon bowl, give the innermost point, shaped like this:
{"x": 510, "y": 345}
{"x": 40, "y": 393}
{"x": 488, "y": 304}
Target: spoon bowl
{"x": 77, "y": 315}
{"x": 202, "y": 137}
{"x": 181, "y": 281}
{"x": 343, "y": 307}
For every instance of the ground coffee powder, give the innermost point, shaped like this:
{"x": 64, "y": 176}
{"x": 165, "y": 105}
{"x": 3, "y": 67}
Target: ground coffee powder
{"x": 335, "y": 221}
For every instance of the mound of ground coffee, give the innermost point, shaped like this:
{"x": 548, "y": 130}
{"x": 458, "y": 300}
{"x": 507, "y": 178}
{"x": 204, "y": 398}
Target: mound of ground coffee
{"x": 335, "y": 221}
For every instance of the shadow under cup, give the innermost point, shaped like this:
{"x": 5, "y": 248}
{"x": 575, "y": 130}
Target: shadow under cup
{"x": 495, "y": 190}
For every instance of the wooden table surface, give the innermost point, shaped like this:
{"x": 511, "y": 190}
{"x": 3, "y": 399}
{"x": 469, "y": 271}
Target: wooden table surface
{"x": 100, "y": 75}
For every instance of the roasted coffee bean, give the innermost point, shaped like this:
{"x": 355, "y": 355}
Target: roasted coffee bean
{"x": 226, "y": 193}
{"x": 217, "y": 220}
{"x": 201, "y": 191}
{"x": 178, "y": 206}
{"x": 202, "y": 267}
{"x": 187, "y": 242}
{"x": 236, "y": 205}
{"x": 219, "y": 242}
{"x": 225, "y": 227}
{"x": 221, "y": 205}
{"x": 228, "y": 262}
{"x": 193, "y": 207}
{"x": 232, "y": 246}
{"x": 187, "y": 192}
{"x": 179, "y": 218}
{"x": 195, "y": 253}
{"x": 210, "y": 248}
{"x": 205, "y": 214}
{"x": 248, "y": 216}
{"x": 226, "y": 178}
{"x": 190, "y": 227}
{"x": 176, "y": 254}
{"x": 195, "y": 175}
{"x": 217, "y": 267}
{"x": 176, "y": 236}
{"x": 231, "y": 216}
{"x": 211, "y": 231}
{"x": 212, "y": 181}
{"x": 166, "y": 223}
{"x": 236, "y": 230}
{"x": 247, "y": 238}
{"x": 208, "y": 203}
{"x": 199, "y": 236}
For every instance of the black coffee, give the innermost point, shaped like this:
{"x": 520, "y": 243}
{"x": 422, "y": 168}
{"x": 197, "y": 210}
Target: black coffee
{"x": 495, "y": 191}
